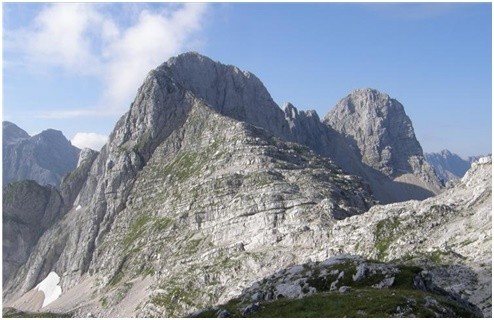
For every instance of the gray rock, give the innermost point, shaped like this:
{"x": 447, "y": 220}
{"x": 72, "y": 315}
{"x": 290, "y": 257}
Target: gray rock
{"x": 385, "y": 283}
{"x": 28, "y": 210}
{"x": 378, "y": 127}
{"x": 45, "y": 157}
{"x": 361, "y": 272}
{"x": 344, "y": 289}
{"x": 222, "y": 313}
{"x": 449, "y": 166}
{"x": 381, "y": 129}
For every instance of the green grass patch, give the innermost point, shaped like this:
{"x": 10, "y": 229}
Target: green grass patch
{"x": 369, "y": 303}
{"x": 384, "y": 235}
{"x": 136, "y": 230}
{"x": 14, "y": 313}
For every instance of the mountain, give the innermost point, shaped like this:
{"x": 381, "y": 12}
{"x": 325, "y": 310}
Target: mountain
{"x": 204, "y": 187}
{"x": 430, "y": 250}
{"x": 448, "y": 165}
{"x": 29, "y": 209}
{"x": 44, "y": 158}
{"x": 378, "y": 127}
{"x": 12, "y": 133}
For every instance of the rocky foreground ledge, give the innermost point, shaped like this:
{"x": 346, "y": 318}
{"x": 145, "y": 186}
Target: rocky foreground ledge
{"x": 345, "y": 286}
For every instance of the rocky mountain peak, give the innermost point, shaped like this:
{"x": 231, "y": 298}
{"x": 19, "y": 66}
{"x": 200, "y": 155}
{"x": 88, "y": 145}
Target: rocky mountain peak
{"x": 380, "y": 127}
{"x": 206, "y": 172}
{"x": 290, "y": 111}
{"x": 227, "y": 89}
{"x": 446, "y": 153}
{"x": 52, "y": 134}
{"x": 12, "y": 133}
{"x": 448, "y": 165}
{"x": 45, "y": 157}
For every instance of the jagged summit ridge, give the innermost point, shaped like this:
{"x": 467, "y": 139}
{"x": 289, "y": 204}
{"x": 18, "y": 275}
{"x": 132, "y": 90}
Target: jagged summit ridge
{"x": 228, "y": 90}
{"x": 448, "y": 165}
{"x": 242, "y": 96}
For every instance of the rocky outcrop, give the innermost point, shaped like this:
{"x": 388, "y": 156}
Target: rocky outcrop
{"x": 44, "y": 158}
{"x": 28, "y": 210}
{"x": 301, "y": 289}
{"x": 450, "y": 235}
{"x": 449, "y": 166}
{"x": 73, "y": 181}
{"x": 379, "y": 127}
{"x": 441, "y": 245}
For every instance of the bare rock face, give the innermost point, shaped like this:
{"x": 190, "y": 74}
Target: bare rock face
{"x": 73, "y": 181}
{"x": 383, "y": 134}
{"x": 45, "y": 157}
{"x": 28, "y": 210}
{"x": 175, "y": 168}
{"x": 380, "y": 127}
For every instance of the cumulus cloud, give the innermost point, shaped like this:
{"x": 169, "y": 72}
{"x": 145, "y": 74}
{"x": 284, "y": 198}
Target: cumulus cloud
{"x": 92, "y": 40}
{"x": 146, "y": 44}
{"x": 89, "y": 140}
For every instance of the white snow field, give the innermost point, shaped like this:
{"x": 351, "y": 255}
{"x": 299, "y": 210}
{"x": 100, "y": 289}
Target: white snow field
{"x": 50, "y": 288}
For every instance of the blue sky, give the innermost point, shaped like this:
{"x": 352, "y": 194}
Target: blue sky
{"x": 77, "y": 68}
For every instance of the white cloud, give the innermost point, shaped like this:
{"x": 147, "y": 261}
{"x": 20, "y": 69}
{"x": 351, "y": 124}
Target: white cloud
{"x": 89, "y": 140}
{"x": 59, "y": 36}
{"x": 77, "y": 113}
{"x": 145, "y": 45}
{"x": 92, "y": 40}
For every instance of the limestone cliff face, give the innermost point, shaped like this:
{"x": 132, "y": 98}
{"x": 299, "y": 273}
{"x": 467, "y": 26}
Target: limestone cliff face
{"x": 28, "y": 210}
{"x": 45, "y": 157}
{"x": 383, "y": 133}
{"x": 449, "y": 237}
{"x": 204, "y": 186}
{"x": 380, "y": 127}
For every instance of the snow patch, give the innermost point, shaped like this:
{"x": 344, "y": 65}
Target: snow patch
{"x": 78, "y": 208}
{"x": 50, "y": 288}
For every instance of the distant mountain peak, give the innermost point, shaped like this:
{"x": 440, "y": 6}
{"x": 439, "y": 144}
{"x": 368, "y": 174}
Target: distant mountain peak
{"x": 45, "y": 157}
{"x": 380, "y": 127}
{"x": 12, "y": 133}
{"x": 449, "y": 165}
